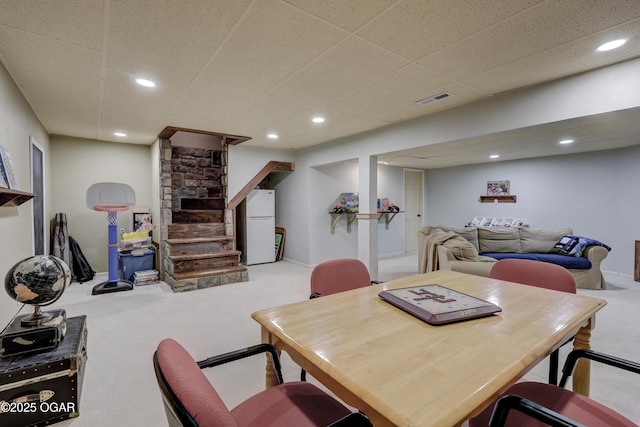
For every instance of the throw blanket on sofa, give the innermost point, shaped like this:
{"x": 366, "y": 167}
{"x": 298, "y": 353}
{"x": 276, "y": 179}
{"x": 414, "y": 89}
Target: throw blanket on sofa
{"x": 430, "y": 261}
{"x": 575, "y": 245}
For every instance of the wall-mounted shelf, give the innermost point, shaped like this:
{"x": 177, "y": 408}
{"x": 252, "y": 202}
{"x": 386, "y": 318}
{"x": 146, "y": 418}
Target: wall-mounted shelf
{"x": 351, "y": 216}
{"x": 499, "y": 198}
{"x": 335, "y": 217}
{"x": 388, "y": 217}
{"x": 14, "y": 197}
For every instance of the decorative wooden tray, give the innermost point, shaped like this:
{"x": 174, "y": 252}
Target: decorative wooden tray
{"x": 437, "y": 304}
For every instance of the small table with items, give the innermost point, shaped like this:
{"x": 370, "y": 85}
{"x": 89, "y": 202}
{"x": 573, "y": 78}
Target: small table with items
{"x": 400, "y": 370}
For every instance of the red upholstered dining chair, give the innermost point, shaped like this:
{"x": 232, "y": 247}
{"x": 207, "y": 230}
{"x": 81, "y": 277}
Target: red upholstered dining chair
{"x": 530, "y": 404}
{"x": 542, "y": 275}
{"x": 191, "y": 400}
{"x": 338, "y": 275}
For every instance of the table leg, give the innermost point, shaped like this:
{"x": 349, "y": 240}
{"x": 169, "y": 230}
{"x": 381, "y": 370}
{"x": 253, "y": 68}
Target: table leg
{"x": 582, "y": 372}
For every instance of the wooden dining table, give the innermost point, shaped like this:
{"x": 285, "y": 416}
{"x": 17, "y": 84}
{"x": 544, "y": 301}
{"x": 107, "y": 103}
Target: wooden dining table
{"x": 402, "y": 371}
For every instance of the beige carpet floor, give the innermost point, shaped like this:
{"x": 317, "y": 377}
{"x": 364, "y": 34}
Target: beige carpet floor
{"x": 125, "y": 327}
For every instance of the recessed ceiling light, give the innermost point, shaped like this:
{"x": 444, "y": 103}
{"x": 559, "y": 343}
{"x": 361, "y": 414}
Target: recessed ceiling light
{"x": 494, "y": 156}
{"x": 566, "y": 141}
{"x": 318, "y": 120}
{"x": 145, "y": 83}
{"x": 611, "y": 45}
{"x": 120, "y": 134}
{"x": 272, "y": 136}
{"x": 380, "y": 162}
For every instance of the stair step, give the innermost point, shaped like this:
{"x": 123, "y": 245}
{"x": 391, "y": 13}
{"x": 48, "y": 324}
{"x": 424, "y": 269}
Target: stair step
{"x": 195, "y": 230}
{"x": 184, "y": 263}
{"x": 188, "y": 240}
{"x": 210, "y": 272}
{"x": 198, "y": 216}
{"x": 204, "y": 256}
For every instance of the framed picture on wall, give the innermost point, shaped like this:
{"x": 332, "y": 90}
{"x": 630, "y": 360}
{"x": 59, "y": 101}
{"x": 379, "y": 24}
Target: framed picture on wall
{"x": 497, "y": 188}
{"x": 7, "y": 170}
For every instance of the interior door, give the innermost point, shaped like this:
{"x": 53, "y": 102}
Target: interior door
{"x": 37, "y": 204}
{"x": 413, "y": 208}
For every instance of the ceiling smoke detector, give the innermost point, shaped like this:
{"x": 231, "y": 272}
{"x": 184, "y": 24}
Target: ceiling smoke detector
{"x": 435, "y": 98}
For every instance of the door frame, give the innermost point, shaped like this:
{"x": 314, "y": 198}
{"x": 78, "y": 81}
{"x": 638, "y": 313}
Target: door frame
{"x": 38, "y": 204}
{"x": 421, "y": 202}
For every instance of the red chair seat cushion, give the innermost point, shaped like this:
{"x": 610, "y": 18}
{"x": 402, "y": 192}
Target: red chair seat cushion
{"x": 293, "y": 404}
{"x": 563, "y": 401}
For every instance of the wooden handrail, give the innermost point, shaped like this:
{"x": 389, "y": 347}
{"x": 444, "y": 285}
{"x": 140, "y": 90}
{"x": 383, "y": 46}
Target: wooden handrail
{"x": 269, "y": 167}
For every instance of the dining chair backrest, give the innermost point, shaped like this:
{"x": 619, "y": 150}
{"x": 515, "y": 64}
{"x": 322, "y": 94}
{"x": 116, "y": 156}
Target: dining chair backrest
{"x": 534, "y": 273}
{"x": 189, "y": 397}
{"x": 338, "y": 275}
{"x": 542, "y": 275}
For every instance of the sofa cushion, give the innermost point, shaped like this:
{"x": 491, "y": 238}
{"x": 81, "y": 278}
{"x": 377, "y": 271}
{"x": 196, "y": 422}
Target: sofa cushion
{"x": 499, "y": 240}
{"x": 461, "y": 248}
{"x": 569, "y": 262}
{"x": 541, "y": 241}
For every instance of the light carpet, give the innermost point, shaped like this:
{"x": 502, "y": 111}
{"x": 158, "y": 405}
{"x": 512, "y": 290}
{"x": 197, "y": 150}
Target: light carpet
{"x": 124, "y": 329}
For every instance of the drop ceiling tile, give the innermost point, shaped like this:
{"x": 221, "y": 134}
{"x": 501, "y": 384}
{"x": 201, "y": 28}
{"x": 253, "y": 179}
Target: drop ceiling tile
{"x": 568, "y": 58}
{"x": 284, "y": 142}
{"x": 40, "y": 62}
{"x": 274, "y": 41}
{"x": 65, "y": 113}
{"x": 346, "y": 67}
{"x": 353, "y": 126}
{"x": 536, "y": 30}
{"x": 79, "y": 22}
{"x": 120, "y": 86}
{"x": 414, "y": 29}
{"x": 395, "y": 95}
{"x": 211, "y": 101}
{"x": 267, "y": 111}
{"x": 128, "y": 118}
{"x": 302, "y": 124}
{"x": 176, "y": 36}
{"x": 349, "y": 15}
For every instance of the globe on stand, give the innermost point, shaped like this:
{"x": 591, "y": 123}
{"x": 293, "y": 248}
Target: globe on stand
{"x": 38, "y": 280}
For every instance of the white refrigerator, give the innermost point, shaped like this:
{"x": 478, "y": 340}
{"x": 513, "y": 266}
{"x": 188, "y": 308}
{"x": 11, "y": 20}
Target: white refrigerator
{"x": 260, "y": 227}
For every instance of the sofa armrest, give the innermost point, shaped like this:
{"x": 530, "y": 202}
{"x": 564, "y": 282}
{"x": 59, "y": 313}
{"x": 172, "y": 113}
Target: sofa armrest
{"x": 595, "y": 254}
{"x": 445, "y": 258}
{"x": 447, "y": 261}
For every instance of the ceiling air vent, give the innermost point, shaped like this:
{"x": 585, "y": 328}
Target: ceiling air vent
{"x": 435, "y": 98}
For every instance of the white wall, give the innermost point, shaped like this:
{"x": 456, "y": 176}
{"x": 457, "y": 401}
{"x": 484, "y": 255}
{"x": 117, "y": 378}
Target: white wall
{"x": 245, "y": 162}
{"x": 328, "y": 182}
{"x": 17, "y": 123}
{"x": 593, "y": 193}
{"x": 79, "y": 163}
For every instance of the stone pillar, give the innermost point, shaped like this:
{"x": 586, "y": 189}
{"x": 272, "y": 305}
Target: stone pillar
{"x": 165, "y": 204}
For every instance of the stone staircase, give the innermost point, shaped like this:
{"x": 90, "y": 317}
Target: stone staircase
{"x": 199, "y": 255}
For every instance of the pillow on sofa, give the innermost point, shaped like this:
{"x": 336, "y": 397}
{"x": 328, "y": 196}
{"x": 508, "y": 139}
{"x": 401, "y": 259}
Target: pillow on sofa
{"x": 461, "y": 248}
{"x": 470, "y": 234}
{"x": 541, "y": 241}
{"x": 498, "y": 240}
